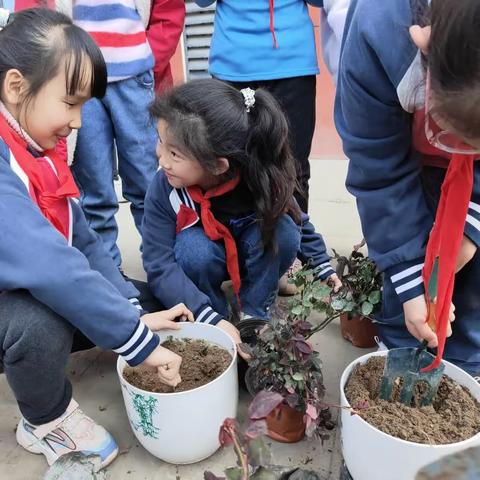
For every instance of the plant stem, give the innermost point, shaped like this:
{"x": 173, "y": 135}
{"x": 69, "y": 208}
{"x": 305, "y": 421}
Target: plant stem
{"x": 242, "y": 456}
{"x": 322, "y": 325}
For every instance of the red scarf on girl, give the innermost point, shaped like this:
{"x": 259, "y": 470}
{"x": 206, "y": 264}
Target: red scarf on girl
{"x": 51, "y": 190}
{"x": 445, "y": 241}
{"x": 215, "y": 230}
{"x": 447, "y": 232}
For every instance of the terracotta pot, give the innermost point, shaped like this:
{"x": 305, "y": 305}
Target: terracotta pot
{"x": 285, "y": 424}
{"x": 360, "y": 331}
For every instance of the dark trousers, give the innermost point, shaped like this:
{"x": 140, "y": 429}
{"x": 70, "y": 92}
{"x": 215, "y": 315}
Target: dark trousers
{"x": 35, "y": 344}
{"x": 296, "y": 95}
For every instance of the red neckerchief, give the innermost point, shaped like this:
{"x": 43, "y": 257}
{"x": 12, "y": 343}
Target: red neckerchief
{"x": 216, "y": 230}
{"x": 447, "y": 232}
{"x": 445, "y": 241}
{"x": 51, "y": 201}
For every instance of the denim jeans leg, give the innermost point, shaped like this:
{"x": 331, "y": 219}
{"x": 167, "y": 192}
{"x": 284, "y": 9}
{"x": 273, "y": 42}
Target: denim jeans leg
{"x": 93, "y": 171}
{"x": 261, "y": 270}
{"x": 203, "y": 261}
{"x": 35, "y": 345}
{"x": 136, "y": 138}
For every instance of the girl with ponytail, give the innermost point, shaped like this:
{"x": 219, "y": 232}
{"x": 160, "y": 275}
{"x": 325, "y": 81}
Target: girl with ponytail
{"x": 222, "y": 205}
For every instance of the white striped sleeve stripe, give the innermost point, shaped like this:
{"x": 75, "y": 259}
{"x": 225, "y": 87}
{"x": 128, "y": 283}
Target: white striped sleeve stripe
{"x": 326, "y": 264}
{"x": 473, "y": 222}
{"x": 133, "y": 354}
{"x": 409, "y": 285}
{"x": 406, "y": 273}
{"x": 325, "y": 270}
{"x": 204, "y": 313}
{"x": 136, "y": 302}
{"x": 211, "y": 317}
{"x": 140, "y": 329}
{"x": 474, "y": 206}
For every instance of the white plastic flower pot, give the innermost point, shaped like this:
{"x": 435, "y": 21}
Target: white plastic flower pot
{"x": 183, "y": 427}
{"x": 373, "y": 455}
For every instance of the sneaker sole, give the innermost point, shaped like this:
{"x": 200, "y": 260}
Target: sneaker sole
{"x": 24, "y": 439}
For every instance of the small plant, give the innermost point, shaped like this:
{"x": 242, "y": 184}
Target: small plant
{"x": 283, "y": 361}
{"x": 361, "y": 293}
{"x": 253, "y": 456}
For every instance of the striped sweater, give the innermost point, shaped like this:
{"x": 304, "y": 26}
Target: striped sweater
{"x": 118, "y": 30}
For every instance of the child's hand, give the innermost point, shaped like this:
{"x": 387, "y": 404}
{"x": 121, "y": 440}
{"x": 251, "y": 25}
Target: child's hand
{"x": 467, "y": 251}
{"x": 334, "y": 282}
{"x": 166, "y": 319}
{"x": 167, "y": 364}
{"x": 415, "y": 311}
{"x": 229, "y": 328}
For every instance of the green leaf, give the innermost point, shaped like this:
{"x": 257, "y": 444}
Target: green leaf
{"x": 258, "y": 452}
{"x": 374, "y": 297}
{"x": 367, "y": 308}
{"x": 349, "y": 307}
{"x": 362, "y": 298}
{"x": 234, "y": 473}
{"x": 297, "y": 310}
{"x": 338, "y": 304}
{"x": 298, "y": 376}
{"x": 322, "y": 291}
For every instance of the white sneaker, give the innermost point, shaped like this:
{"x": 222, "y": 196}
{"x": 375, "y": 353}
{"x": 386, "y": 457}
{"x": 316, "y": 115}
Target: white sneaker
{"x": 72, "y": 432}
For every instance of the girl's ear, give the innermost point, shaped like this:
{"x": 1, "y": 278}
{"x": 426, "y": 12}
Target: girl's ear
{"x": 222, "y": 166}
{"x": 421, "y": 36}
{"x": 14, "y": 87}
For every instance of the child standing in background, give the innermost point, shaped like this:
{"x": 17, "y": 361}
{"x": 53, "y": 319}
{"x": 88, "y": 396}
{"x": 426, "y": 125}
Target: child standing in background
{"x": 137, "y": 39}
{"x": 271, "y": 45}
{"x": 222, "y": 205}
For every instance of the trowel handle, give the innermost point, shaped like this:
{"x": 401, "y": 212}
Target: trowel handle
{"x": 431, "y": 317}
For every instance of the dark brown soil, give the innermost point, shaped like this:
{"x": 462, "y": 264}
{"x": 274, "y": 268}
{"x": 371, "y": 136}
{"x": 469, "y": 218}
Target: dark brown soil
{"x": 454, "y": 415}
{"x": 202, "y": 362}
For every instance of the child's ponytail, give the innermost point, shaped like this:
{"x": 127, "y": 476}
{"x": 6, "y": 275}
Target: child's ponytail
{"x": 270, "y": 171}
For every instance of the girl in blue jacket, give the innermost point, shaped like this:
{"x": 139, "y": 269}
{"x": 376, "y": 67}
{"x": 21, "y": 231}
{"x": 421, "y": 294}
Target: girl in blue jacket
{"x": 58, "y": 285}
{"x": 222, "y": 206}
{"x": 407, "y": 109}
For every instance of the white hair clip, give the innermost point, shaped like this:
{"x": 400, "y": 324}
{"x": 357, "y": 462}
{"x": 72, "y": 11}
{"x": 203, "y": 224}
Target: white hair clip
{"x": 4, "y": 16}
{"x": 248, "y": 97}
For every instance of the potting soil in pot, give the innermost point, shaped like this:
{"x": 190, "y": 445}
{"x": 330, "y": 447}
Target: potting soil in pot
{"x": 453, "y": 416}
{"x": 202, "y": 362}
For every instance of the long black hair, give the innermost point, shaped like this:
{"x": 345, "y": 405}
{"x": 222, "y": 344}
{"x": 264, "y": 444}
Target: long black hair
{"x": 38, "y": 41}
{"x": 454, "y": 63}
{"x": 209, "y": 120}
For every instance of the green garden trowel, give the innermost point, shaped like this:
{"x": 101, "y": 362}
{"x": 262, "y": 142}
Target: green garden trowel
{"x": 406, "y": 363}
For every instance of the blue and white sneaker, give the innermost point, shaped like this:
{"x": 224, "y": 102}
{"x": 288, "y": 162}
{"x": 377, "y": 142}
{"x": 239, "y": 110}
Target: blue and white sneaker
{"x": 72, "y": 432}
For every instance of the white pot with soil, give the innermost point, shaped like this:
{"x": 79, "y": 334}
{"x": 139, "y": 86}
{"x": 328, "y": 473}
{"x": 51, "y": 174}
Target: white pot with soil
{"x": 178, "y": 426}
{"x": 411, "y": 437}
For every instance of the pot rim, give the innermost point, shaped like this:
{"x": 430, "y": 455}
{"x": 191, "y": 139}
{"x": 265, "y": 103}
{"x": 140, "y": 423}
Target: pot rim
{"x": 176, "y": 394}
{"x": 343, "y": 400}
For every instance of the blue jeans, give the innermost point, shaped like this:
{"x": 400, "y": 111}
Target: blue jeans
{"x": 203, "y": 261}
{"x": 121, "y": 118}
{"x": 463, "y": 347}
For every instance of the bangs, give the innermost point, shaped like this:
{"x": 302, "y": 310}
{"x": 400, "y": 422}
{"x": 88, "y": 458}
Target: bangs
{"x": 81, "y": 50}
